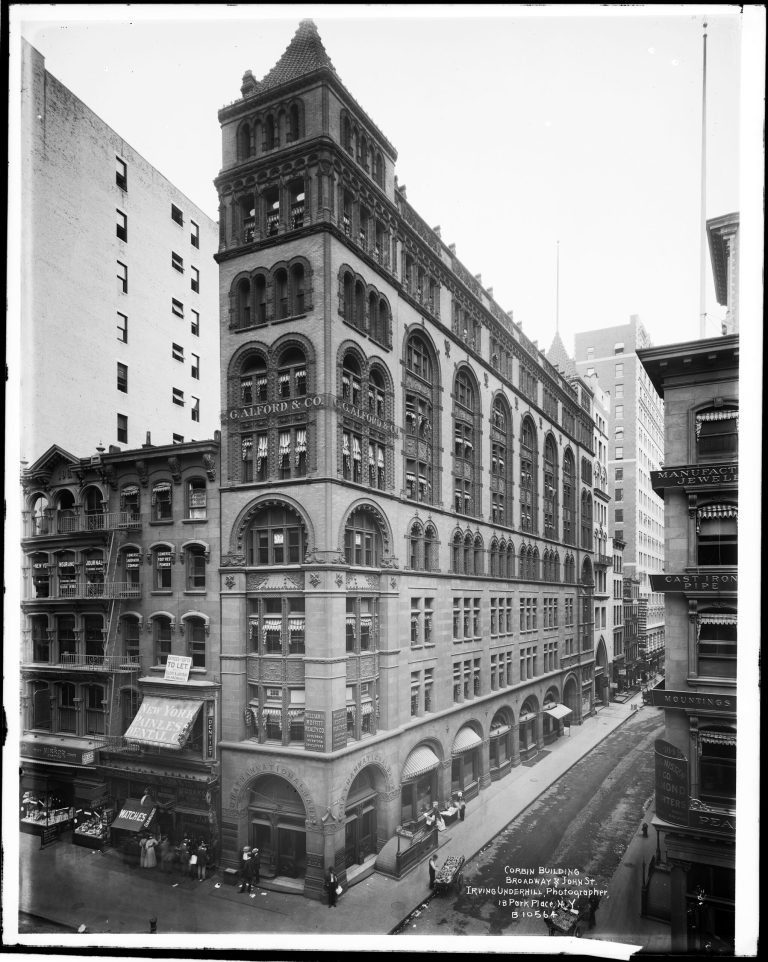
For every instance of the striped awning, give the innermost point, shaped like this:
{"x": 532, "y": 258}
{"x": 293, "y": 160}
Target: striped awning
{"x": 419, "y": 762}
{"x": 501, "y": 730}
{"x": 729, "y": 414}
{"x": 718, "y": 738}
{"x": 465, "y": 741}
{"x": 558, "y": 711}
{"x": 718, "y": 619}
{"x": 718, "y": 511}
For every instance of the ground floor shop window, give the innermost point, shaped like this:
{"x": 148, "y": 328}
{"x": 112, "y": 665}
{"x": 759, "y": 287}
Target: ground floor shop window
{"x": 500, "y": 749}
{"x": 465, "y": 770}
{"x": 417, "y": 796}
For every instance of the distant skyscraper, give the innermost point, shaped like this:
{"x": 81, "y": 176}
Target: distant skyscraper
{"x": 119, "y": 296}
{"x": 636, "y": 431}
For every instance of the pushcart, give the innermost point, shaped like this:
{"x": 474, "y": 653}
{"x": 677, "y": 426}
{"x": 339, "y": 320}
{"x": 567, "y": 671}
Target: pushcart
{"x": 450, "y": 875}
{"x": 573, "y": 921}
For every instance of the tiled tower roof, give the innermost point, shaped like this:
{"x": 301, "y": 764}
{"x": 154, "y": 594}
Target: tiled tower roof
{"x": 560, "y": 358}
{"x": 303, "y": 55}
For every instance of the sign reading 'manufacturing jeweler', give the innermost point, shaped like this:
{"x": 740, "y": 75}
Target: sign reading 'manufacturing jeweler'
{"x": 696, "y": 476}
{"x": 177, "y": 668}
{"x": 295, "y": 405}
{"x": 703, "y": 583}
{"x": 671, "y": 783}
{"x": 692, "y": 700}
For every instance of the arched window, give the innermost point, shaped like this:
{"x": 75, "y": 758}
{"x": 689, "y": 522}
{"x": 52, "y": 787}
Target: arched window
{"x": 66, "y": 515}
{"x": 259, "y": 315}
{"x": 359, "y": 311}
{"x": 130, "y": 627}
{"x": 270, "y": 141}
{"x": 362, "y": 540}
{"x": 130, "y": 504}
{"x": 276, "y": 537}
{"x": 556, "y": 567}
{"x": 569, "y": 499}
{"x": 550, "y": 488}
{"x": 494, "y": 559}
{"x": 586, "y": 519}
{"x": 40, "y": 511}
{"x": 282, "y": 306}
{"x": 162, "y": 630}
{"x": 195, "y": 630}
{"x": 130, "y": 561}
{"x": 466, "y": 467}
{"x": 346, "y": 135}
{"x": 294, "y": 119}
{"x": 535, "y": 564}
{"x": 292, "y": 374}
{"x": 244, "y": 141}
{"x": 243, "y": 312}
{"x": 430, "y": 549}
{"x": 421, "y": 399}
{"x": 373, "y": 315}
{"x": 351, "y": 379}
{"x": 196, "y": 499}
{"x": 501, "y": 464}
{"x": 415, "y": 546}
{"x": 348, "y": 306}
{"x": 195, "y": 557}
{"x": 376, "y": 394}
{"x": 297, "y": 298}
{"x": 477, "y": 559}
{"x": 457, "y": 553}
{"x": 528, "y": 476}
{"x": 162, "y": 567}
{"x": 253, "y": 382}
{"x": 365, "y": 444}
{"x": 510, "y": 560}
{"x": 378, "y": 172}
{"x": 469, "y": 556}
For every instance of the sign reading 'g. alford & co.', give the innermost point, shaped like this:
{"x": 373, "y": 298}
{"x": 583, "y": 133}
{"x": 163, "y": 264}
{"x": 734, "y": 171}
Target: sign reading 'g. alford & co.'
{"x": 671, "y": 783}
{"x": 256, "y": 412}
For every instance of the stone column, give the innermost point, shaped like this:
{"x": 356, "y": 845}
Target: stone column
{"x": 515, "y": 756}
{"x": 485, "y": 763}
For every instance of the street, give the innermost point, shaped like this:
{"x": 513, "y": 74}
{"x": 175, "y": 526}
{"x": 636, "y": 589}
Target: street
{"x": 581, "y": 824}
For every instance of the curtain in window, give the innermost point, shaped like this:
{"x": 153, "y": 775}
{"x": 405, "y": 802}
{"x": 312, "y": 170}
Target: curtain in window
{"x": 261, "y": 451}
{"x": 284, "y": 443}
{"x": 356, "y": 452}
{"x": 247, "y": 446}
{"x": 301, "y": 443}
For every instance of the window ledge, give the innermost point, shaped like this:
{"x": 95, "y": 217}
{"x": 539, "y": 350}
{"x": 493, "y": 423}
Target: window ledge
{"x": 164, "y": 521}
{"x": 194, "y": 520}
{"x": 195, "y": 591}
{"x": 162, "y": 591}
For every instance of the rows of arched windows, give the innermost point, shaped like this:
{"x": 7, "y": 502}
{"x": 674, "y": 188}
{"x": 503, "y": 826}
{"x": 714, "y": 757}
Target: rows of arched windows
{"x": 270, "y": 129}
{"x": 364, "y": 307}
{"x": 362, "y": 148}
{"x": 263, "y": 296}
{"x": 366, "y": 447}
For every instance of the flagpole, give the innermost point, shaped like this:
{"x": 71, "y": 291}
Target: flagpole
{"x": 703, "y": 259}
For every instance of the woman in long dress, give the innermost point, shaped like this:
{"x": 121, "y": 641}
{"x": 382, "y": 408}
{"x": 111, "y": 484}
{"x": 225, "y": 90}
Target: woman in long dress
{"x": 150, "y": 844}
{"x": 143, "y": 851}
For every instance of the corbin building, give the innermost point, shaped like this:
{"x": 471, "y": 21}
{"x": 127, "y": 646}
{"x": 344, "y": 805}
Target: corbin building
{"x": 406, "y": 503}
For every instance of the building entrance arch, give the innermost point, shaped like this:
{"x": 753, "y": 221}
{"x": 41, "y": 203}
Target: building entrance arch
{"x": 277, "y": 826}
{"x": 571, "y": 697}
{"x": 361, "y": 815}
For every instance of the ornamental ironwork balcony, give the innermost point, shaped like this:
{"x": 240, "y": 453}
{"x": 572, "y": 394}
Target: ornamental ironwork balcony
{"x": 83, "y": 591}
{"x": 53, "y": 523}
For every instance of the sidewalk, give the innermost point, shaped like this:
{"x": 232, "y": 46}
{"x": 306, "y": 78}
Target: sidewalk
{"x": 74, "y": 886}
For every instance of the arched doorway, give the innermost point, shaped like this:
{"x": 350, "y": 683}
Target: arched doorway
{"x": 465, "y": 762}
{"x": 500, "y": 744}
{"x": 527, "y": 728}
{"x": 601, "y": 672}
{"x": 277, "y": 818}
{"x": 571, "y": 697}
{"x": 552, "y": 727}
{"x": 361, "y": 820}
{"x": 419, "y": 788}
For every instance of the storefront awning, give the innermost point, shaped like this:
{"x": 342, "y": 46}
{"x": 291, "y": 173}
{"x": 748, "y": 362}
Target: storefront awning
{"x": 501, "y": 730}
{"x": 419, "y": 762}
{"x": 163, "y": 722}
{"x": 559, "y": 711}
{"x": 464, "y": 741}
{"x": 134, "y": 816}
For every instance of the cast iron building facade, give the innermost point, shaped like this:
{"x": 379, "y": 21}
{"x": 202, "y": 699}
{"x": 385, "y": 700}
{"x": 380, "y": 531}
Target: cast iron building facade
{"x": 120, "y": 571}
{"x": 637, "y": 444}
{"x": 116, "y": 267}
{"x": 407, "y": 499}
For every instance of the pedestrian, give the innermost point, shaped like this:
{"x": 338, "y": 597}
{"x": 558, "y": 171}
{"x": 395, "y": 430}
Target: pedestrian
{"x": 149, "y": 848}
{"x": 462, "y": 806}
{"x": 594, "y": 902}
{"x": 255, "y": 866}
{"x": 192, "y": 865}
{"x": 332, "y": 886}
{"x": 202, "y": 860}
{"x": 245, "y": 869}
{"x": 432, "y": 870}
{"x": 143, "y": 852}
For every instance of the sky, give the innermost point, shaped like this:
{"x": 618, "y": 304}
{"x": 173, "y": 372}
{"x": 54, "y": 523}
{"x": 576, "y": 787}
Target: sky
{"x": 518, "y": 131}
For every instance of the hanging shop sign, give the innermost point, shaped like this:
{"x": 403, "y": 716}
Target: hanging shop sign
{"x": 58, "y": 753}
{"x": 696, "y": 476}
{"x": 177, "y": 668}
{"x": 209, "y": 735}
{"x": 163, "y": 722}
{"x": 712, "y": 821}
{"x": 671, "y": 783}
{"x": 691, "y": 700}
{"x": 701, "y": 583}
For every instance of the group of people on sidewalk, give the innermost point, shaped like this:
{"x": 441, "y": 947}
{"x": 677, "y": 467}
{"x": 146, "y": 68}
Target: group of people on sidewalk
{"x": 191, "y": 857}
{"x": 250, "y": 870}
{"x": 438, "y": 815}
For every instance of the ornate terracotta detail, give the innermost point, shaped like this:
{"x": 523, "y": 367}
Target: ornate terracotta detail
{"x": 232, "y": 561}
{"x": 209, "y": 462}
{"x": 229, "y": 581}
{"x": 314, "y": 579}
{"x": 175, "y": 465}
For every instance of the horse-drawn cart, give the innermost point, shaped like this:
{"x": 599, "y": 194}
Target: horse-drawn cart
{"x": 450, "y": 875}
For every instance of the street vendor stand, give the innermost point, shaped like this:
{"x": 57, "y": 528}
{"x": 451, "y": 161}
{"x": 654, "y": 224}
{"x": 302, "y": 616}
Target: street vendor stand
{"x": 450, "y": 875}
{"x": 573, "y": 921}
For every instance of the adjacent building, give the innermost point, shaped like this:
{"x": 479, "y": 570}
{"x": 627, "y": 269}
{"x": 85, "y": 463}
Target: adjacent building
{"x": 407, "y": 501}
{"x": 636, "y": 427}
{"x": 120, "y": 561}
{"x": 116, "y": 267}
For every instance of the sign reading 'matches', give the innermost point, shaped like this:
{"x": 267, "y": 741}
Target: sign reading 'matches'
{"x": 696, "y": 476}
{"x": 702, "y": 583}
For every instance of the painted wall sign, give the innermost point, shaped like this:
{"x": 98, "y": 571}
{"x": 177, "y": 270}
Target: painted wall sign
{"x": 314, "y": 731}
{"x": 209, "y": 734}
{"x": 58, "y": 753}
{"x": 338, "y": 729}
{"x": 696, "y": 476}
{"x": 713, "y": 821}
{"x": 671, "y": 783}
{"x": 702, "y": 701}
{"x": 704, "y": 583}
{"x": 177, "y": 668}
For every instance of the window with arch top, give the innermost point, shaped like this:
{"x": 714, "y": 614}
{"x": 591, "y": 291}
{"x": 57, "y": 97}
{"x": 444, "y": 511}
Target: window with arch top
{"x": 421, "y": 404}
{"x": 528, "y": 476}
{"x": 362, "y": 540}
{"x": 569, "y": 499}
{"x": 277, "y": 536}
{"x": 466, "y": 447}
{"x": 550, "y": 488}
{"x": 501, "y": 462}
